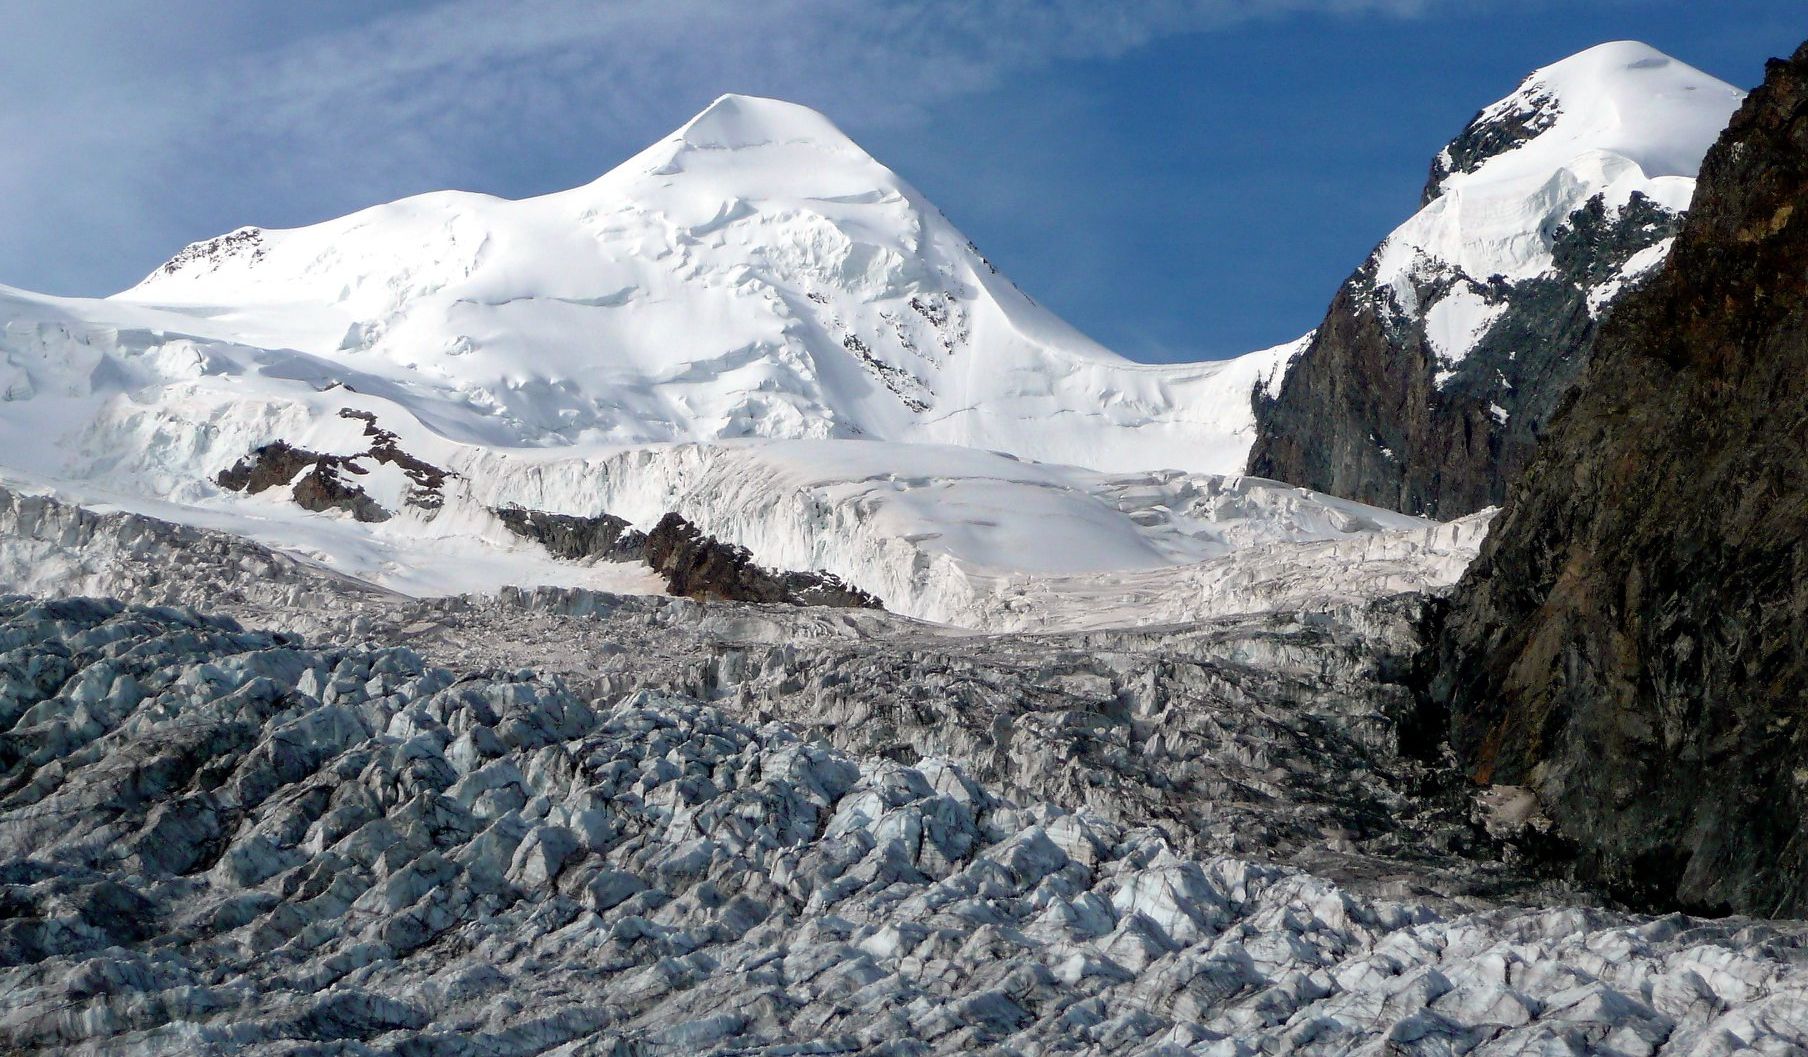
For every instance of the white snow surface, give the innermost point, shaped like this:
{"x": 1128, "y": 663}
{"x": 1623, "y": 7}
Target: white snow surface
{"x": 754, "y": 274}
{"x": 114, "y": 407}
{"x": 118, "y": 412}
{"x": 752, "y": 323}
{"x": 1618, "y": 119}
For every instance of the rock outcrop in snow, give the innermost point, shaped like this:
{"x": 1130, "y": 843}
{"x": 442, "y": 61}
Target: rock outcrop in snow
{"x": 702, "y": 567}
{"x": 1443, "y": 357}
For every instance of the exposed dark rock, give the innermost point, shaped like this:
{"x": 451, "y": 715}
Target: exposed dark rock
{"x": 907, "y": 387}
{"x": 1491, "y": 133}
{"x": 428, "y": 480}
{"x": 1368, "y": 411}
{"x": 326, "y": 486}
{"x": 704, "y": 568}
{"x": 245, "y": 242}
{"x": 693, "y": 565}
{"x": 576, "y": 538}
{"x": 322, "y": 489}
{"x": 320, "y": 486}
{"x": 1633, "y": 642}
{"x": 266, "y": 467}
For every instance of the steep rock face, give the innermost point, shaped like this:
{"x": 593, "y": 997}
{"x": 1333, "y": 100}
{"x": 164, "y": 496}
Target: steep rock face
{"x": 1442, "y": 358}
{"x": 1632, "y": 641}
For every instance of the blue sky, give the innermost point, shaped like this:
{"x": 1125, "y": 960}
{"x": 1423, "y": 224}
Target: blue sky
{"x": 1183, "y": 179}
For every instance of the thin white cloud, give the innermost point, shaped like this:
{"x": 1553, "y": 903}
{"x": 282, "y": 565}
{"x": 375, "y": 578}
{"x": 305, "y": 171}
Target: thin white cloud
{"x": 141, "y": 122}
{"x": 464, "y": 57}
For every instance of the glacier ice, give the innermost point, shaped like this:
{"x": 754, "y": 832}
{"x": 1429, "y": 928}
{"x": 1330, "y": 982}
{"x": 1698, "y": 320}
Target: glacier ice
{"x": 226, "y": 840}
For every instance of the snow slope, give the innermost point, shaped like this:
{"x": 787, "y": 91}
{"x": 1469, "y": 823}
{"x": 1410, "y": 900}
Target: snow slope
{"x": 754, "y": 274}
{"x": 751, "y": 322}
{"x": 111, "y": 406}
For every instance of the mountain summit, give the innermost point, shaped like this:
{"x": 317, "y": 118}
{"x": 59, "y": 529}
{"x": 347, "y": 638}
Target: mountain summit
{"x": 735, "y": 122}
{"x": 753, "y": 274}
{"x": 1623, "y": 103}
{"x": 756, "y": 326}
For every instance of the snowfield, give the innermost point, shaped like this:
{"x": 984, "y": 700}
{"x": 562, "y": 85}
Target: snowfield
{"x": 751, "y": 323}
{"x": 755, "y": 274}
{"x": 129, "y": 406}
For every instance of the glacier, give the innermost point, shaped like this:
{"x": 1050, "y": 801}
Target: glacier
{"x": 560, "y": 822}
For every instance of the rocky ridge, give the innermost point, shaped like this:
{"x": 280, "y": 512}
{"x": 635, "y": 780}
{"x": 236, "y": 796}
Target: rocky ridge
{"x": 1370, "y": 411}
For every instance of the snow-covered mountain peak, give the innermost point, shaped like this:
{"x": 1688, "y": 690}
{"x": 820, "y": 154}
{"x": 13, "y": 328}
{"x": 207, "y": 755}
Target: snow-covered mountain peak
{"x": 749, "y": 149}
{"x": 734, "y": 122}
{"x": 1545, "y": 208}
{"x": 742, "y": 166}
{"x": 1616, "y": 103}
{"x": 1607, "y": 140}
{"x": 754, "y": 273}
{"x": 751, "y": 322}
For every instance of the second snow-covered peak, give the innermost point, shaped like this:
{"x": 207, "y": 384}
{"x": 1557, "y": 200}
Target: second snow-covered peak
{"x": 1618, "y": 125}
{"x": 1622, "y": 99}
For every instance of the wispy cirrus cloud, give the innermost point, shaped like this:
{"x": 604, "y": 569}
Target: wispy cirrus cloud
{"x": 135, "y": 126}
